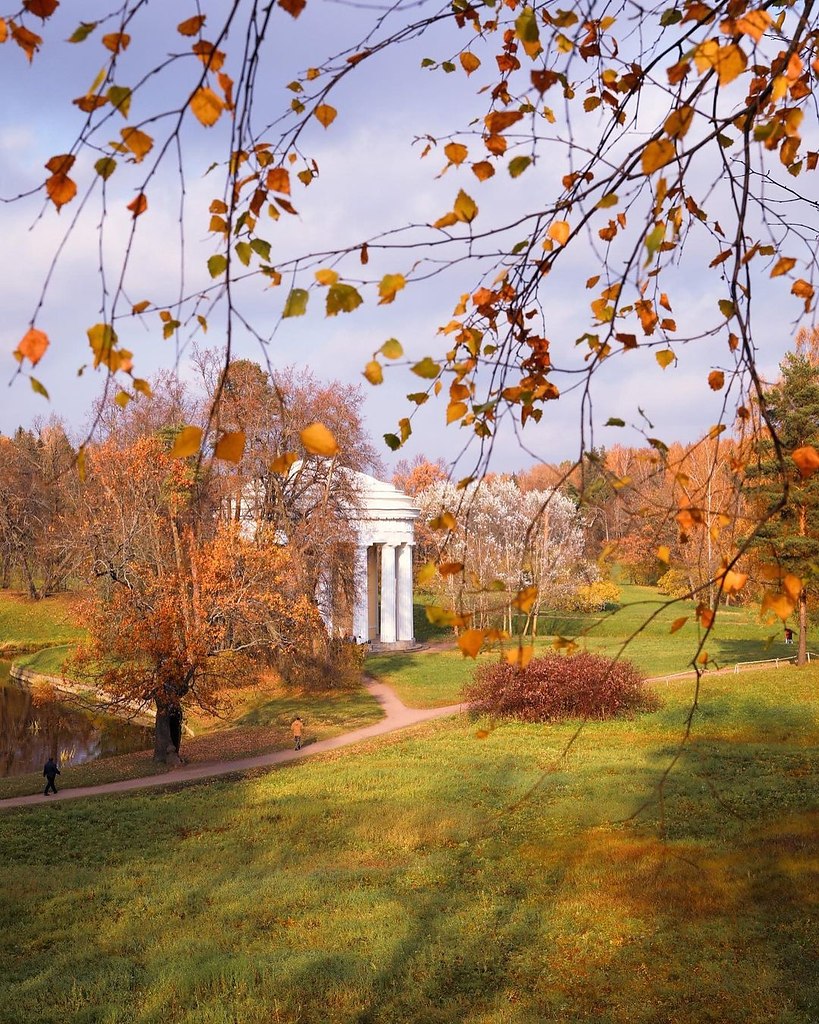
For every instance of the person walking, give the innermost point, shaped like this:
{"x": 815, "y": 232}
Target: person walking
{"x": 51, "y": 771}
{"x": 297, "y": 728}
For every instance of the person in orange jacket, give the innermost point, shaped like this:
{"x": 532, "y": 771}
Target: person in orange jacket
{"x": 297, "y": 728}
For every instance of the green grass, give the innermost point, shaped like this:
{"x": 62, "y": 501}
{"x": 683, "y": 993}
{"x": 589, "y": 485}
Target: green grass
{"x": 432, "y": 876}
{"x": 48, "y": 661}
{"x": 639, "y": 630}
{"x": 27, "y": 625}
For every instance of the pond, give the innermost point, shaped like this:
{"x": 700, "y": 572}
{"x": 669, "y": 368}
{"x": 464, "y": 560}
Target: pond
{"x": 29, "y": 735}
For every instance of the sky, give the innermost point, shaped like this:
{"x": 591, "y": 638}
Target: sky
{"x": 372, "y": 178}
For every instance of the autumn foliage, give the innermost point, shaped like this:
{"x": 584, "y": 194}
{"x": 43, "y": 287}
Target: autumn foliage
{"x": 557, "y": 687}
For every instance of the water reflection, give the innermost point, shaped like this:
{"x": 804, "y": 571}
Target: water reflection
{"x": 29, "y": 735}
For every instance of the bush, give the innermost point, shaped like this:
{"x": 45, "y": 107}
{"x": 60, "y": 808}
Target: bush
{"x": 339, "y": 666}
{"x": 557, "y": 686}
{"x": 675, "y": 583}
{"x": 600, "y": 596}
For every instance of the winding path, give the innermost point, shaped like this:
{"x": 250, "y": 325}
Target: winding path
{"x": 396, "y": 716}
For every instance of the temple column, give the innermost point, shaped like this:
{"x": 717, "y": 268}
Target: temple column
{"x": 372, "y": 592}
{"x": 388, "y": 605}
{"x": 405, "y": 623}
{"x": 361, "y": 608}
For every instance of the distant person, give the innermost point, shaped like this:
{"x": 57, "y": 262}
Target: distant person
{"x": 788, "y": 636}
{"x": 297, "y": 728}
{"x": 51, "y": 771}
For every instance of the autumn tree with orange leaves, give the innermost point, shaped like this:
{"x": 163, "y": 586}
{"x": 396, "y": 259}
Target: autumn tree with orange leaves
{"x": 654, "y": 144}
{"x": 186, "y": 609}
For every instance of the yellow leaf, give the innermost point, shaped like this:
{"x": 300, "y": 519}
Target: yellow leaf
{"x": 426, "y": 573}
{"x": 373, "y": 372}
{"x": 122, "y": 398}
{"x": 754, "y": 24}
{"x": 188, "y": 442}
{"x": 143, "y": 387}
{"x": 230, "y": 447}
{"x": 465, "y": 208}
{"x": 318, "y": 440}
{"x": 520, "y": 656}
{"x": 664, "y": 553}
{"x": 665, "y": 357}
{"x": 525, "y": 600}
{"x": 806, "y": 459}
{"x": 206, "y": 106}
{"x": 731, "y": 62}
{"x": 389, "y": 286}
{"x": 455, "y": 152}
{"x": 282, "y": 463}
{"x": 732, "y": 582}
{"x": 678, "y": 624}
{"x": 678, "y": 122}
{"x": 325, "y": 114}
{"x": 32, "y": 346}
{"x": 470, "y": 642}
{"x": 446, "y": 221}
{"x": 392, "y": 349}
{"x": 657, "y": 154}
{"x": 559, "y": 231}
{"x": 326, "y": 277}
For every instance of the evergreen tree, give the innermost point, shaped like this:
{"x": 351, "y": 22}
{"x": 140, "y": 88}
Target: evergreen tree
{"x": 787, "y": 502}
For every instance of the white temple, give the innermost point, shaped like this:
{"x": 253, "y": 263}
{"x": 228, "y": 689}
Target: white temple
{"x": 385, "y": 537}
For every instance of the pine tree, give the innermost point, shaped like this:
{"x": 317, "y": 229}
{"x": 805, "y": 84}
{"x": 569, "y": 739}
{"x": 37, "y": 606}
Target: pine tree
{"x": 787, "y": 502}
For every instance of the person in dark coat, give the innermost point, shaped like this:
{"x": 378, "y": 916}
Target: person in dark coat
{"x": 51, "y": 771}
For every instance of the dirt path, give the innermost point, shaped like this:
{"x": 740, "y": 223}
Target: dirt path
{"x": 396, "y": 716}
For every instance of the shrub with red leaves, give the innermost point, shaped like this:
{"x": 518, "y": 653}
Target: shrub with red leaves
{"x": 555, "y": 687}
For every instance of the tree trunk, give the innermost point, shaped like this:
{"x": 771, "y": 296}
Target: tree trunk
{"x": 167, "y": 736}
{"x": 802, "y": 650}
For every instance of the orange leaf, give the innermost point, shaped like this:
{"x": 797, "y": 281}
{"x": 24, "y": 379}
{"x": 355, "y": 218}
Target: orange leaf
{"x": 190, "y": 26}
{"x": 325, "y": 113}
{"x": 116, "y": 42}
{"x": 450, "y": 568}
{"x": 483, "y": 170}
{"x": 278, "y": 180}
{"x": 208, "y": 54}
{"x": 783, "y": 265}
{"x": 282, "y": 463}
{"x": 4, "y": 30}
{"x": 780, "y": 604}
{"x": 525, "y": 599}
{"x": 445, "y": 521}
{"x": 470, "y": 642}
{"x": 455, "y": 152}
{"x": 716, "y": 380}
{"x": 206, "y": 106}
{"x": 318, "y": 440}
{"x": 469, "y": 62}
{"x": 500, "y": 120}
{"x": 293, "y": 7}
{"x": 230, "y": 447}
{"x": 139, "y": 143}
{"x": 138, "y": 205}
{"x": 678, "y": 624}
{"x": 61, "y": 189}
{"x": 28, "y": 41}
{"x": 559, "y": 231}
{"x": 41, "y": 8}
{"x": 32, "y": 346}
{"x": 188, "y": 442}
{"x": 806, "y": 459}
{"x": 705, "y": 615}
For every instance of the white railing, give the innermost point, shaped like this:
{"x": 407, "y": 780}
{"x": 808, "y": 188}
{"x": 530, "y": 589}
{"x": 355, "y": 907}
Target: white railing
{"x": 774, "y": 661}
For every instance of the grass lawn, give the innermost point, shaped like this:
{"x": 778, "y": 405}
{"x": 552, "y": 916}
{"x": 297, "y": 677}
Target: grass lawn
{"x": 432, "y": 876}
{"x": 27, "y": 625}
{"x": 639, "y": 630}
